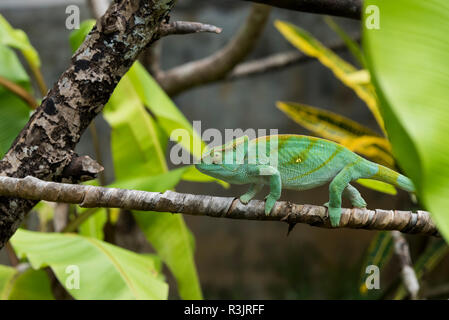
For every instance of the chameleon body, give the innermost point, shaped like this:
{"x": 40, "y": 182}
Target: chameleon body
{"x": 296, "y": 162}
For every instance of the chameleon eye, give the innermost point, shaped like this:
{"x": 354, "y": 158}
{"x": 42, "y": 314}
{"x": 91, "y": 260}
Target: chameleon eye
{"x": 216, "y": 157}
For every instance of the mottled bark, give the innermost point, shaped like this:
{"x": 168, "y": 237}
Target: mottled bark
{"x": 219, "y": 207}
{"x": 45, "y": 146}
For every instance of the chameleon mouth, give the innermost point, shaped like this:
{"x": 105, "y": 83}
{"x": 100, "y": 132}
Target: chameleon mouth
{"x": 207, "y": 167}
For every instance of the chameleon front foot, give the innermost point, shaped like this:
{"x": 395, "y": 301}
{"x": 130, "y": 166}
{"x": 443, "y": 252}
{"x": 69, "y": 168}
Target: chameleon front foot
{"x": 270, "y": 201}
{"x": 334, "y": 215}
{"x": 244, "y": 198}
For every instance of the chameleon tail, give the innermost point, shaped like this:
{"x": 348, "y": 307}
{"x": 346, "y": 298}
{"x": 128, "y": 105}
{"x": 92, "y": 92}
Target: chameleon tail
{"x": 392, "y": 177}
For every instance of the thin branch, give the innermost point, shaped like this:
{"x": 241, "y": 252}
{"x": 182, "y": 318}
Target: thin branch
{"x": 341, "y": 8}
{"x": 218, "y": 207}
{"x": 151, "y": 59}
{"x": 277, "y": 61}
{"x": 408, "y": 274}
{"x": 39, "y": 80}
{"x": 219, "y": 64}
{"x": 186, "y": 27}
{"x": 19, "y": 91}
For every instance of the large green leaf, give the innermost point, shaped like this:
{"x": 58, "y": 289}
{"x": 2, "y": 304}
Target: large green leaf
{"x": 138, "y": 154}
{"x": 408, "y": 58}
{"x": 105, "y": 271}
{"x": 14, "y": 112}
{"x": 167, "y": 114}
{"x": 18, "y": 39}
{"x": 7, "y": 275}
{"x": 32, "y": 285}
{"x": 93, "y": 226}
{"x": 77, "y": 36}
{"x": 29, "y": 285}
{"x": 168, "y": 233}
{"x": 135, "y": 139}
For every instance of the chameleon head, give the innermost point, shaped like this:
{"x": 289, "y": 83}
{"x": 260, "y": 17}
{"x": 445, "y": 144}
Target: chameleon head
{"x": 215, "y": 163}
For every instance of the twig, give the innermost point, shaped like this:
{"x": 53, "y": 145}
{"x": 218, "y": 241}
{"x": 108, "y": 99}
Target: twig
{"x": 219, "y": 64}
{"x": 19, "y": 91}
{"x": 408, "y": 274}
{"x": 151, "y": 59}
{"x": 39, "y": 80}
{"x": 342, "y": 8}
{"x": 277, "y": 61}
{"x": 186, "y": 27}
{"x": 92, "y": 196}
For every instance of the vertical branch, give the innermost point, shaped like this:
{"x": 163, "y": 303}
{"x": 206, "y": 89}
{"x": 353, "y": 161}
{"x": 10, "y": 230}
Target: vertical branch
{"x": 402, "y": 251}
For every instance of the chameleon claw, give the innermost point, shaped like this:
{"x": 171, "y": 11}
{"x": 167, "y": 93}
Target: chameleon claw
{"x": 334, "y": 215}
{"x": 244, "y": 200}
{"x": 269, "y": 204}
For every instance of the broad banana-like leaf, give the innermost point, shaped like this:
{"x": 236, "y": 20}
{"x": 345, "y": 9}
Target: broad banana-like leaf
{"x": 91, "y": 269}
{"x": 18, "y": 39}
{"x": 14, "y": 111}
{"x": 407, "y": 54}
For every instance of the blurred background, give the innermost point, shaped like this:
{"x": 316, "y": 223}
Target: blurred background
{"x": 244, "y": 259}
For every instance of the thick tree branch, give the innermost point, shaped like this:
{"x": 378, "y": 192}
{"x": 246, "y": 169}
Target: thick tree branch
{"x": 218, "y": 65}
{"x": 45, "y": 146}
{"x": 342, "y": 8}
{"x": 402, "y": 251}
{"x": 219, "y": 207}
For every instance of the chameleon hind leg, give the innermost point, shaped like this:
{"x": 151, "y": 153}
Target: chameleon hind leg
{"x": 253, "y": 190}
{"x": 353, "y": 195}
{"x": 336, "y": 188}
{"x": 266, "y": 175}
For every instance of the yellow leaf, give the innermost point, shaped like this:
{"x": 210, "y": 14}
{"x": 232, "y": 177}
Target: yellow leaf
{"x": 360, "y": 77}
{"x": 343, "y": 70}
{"x": 340, "y": 129}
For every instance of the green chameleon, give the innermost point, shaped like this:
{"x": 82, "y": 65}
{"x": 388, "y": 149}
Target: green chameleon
{"x": 299, "y": 163}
